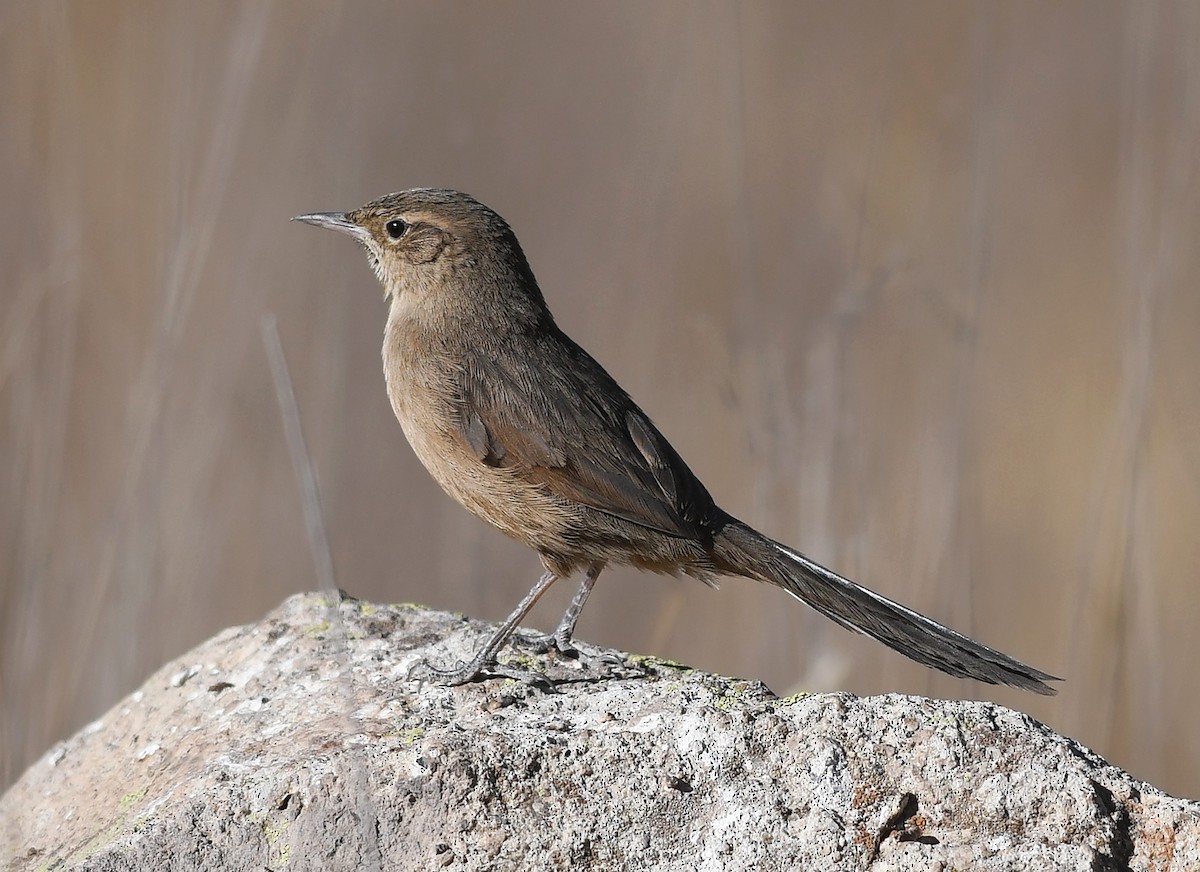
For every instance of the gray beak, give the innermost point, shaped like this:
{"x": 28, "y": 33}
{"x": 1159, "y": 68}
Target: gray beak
{"x": 335, "y": 221}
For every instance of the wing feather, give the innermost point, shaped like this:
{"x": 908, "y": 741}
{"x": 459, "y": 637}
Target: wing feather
{"x": 561, "y": 421}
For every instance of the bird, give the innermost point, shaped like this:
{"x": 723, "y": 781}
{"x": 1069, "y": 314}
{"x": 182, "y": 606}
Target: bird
{"x": 526, "y": 430}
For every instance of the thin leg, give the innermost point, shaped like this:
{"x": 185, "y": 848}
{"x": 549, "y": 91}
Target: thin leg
{"x": 562, "y": 638}
{"x": 486, "y": 657}
{"x": 566, "y": 627}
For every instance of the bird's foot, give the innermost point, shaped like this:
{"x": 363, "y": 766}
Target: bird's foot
{"x": 464, "y": 672}
{"x": 563, "y": 645}
{"x": 544, "y": 643}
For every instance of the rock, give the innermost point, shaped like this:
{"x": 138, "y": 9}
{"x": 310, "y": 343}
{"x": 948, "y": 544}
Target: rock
{"x": 300, "y": 743}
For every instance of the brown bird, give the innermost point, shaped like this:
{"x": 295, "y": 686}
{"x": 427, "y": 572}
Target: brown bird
{"x": 528, "y": 432}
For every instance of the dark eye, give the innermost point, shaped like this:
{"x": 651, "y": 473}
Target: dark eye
{"x": 395, "y": 228}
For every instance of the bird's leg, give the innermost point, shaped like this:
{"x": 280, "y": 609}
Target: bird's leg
{"x": 561, "y": 639}
{"x": 485, "y": 659}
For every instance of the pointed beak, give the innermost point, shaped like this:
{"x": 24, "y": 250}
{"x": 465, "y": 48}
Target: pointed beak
{"x": 335, "y": 221}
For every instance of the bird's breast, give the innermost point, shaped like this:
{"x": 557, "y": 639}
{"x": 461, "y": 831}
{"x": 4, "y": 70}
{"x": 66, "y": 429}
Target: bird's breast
{"x": 423, "y": 384}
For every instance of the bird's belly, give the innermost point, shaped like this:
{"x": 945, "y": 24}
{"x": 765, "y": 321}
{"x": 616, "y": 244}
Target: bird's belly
{"x": 565, "y": 533}
{"x": 498, "y": 495}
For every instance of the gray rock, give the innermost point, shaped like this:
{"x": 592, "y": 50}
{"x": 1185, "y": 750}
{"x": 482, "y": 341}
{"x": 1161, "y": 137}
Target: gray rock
{"x": 300, "y": 743}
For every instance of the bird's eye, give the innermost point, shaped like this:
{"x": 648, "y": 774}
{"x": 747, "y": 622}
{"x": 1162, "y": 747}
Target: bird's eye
{"x": 395, "y": 228}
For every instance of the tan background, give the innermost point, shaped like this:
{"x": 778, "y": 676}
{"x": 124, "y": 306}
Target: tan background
{"x": 913, "y": 287}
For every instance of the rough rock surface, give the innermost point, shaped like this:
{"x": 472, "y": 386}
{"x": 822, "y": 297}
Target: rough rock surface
{"x": 300, "y": 743}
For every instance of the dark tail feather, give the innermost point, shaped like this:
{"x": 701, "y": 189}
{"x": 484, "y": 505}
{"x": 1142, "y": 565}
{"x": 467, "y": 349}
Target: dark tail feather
{"x": 741, "y": 550}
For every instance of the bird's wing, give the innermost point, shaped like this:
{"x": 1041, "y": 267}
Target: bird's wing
{"x": 559, "y": 420}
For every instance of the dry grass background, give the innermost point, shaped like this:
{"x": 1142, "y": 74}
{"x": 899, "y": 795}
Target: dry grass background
{"x": 913, "y": 287}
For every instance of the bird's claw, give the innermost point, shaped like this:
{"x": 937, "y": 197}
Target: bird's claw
{"x": 544, "y": 643}
{"x": 463, "y": 673}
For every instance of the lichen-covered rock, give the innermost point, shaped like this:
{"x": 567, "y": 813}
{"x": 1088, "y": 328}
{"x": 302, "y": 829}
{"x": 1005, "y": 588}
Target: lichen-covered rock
{"x": 301, "y": 743}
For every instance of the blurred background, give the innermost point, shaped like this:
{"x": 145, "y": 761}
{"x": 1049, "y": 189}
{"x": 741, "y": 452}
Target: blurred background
{"x": 913, "y": 287}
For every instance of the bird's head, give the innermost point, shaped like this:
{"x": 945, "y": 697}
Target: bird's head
{"x": 437, "y": 246}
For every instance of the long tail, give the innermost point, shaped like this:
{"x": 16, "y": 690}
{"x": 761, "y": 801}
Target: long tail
{"x": 742, "y": 550}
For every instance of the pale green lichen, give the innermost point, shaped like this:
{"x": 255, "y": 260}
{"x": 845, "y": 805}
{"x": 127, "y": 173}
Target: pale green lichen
{"x": 524, "y": 661}
{"x": 731, "y": 694}
{"x": 411, "y": 735}
{"x": 650, "y": 661}
{"x": 129, "y": 800}
{"x": 794, "y": 698}
{"x": 273, "y": 832}
{"x": 314, "y": 630}
{"x": 103, "y": 838}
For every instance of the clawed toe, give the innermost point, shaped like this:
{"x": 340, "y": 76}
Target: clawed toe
{"x": 607, "y": 658}
{"x": 463, "y": 673}
{"x": 544, "y": 643}
{"x": 525, "y": 676}
{"x": 460, "y": 673}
